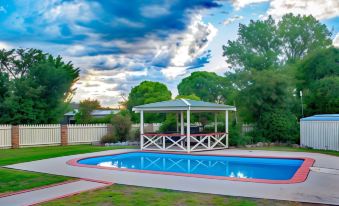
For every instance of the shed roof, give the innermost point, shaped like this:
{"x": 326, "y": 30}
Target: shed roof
{"x": 183, "y": 104}
{"x": 322, "y": 117}
{"x": 96, "y": 112}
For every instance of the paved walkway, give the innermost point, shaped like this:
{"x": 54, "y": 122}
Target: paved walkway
{"x": 320, "y": 186}
{"x": 35, "y": 196}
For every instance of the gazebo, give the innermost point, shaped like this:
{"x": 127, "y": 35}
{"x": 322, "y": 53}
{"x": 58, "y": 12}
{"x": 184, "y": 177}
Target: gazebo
{"x": 184, "y": 142}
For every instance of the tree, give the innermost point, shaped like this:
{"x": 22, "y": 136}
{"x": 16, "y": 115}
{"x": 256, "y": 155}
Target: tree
{"x": 323, "y": 96}
{"x": 208, "y": 86}
{"x": 148, "y": 92}
{"x": 263, "y": 44}
{"x": 317, "y": 65}
{"x": 85, "y": 109}
{"x": 301, "y": 35}
{"x": 191, "y": 97}
{"x": 257, "y": 46}
{"x": 279, "y": 126}
{"x": 264, "y": 57}
{"x": 39, "y": 86}
{"x": 4, "y": 83}
{"x": 265, "y": 91}
{"x": 318, "y": 76}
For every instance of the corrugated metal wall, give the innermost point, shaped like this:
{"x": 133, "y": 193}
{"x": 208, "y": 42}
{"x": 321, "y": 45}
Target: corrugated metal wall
{"x": 320, "y": 134}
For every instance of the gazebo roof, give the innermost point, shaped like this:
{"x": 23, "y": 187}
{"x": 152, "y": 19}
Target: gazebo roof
{"x": 183, "y": 104}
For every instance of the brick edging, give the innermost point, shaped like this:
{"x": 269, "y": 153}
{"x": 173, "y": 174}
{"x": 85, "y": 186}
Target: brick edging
{"x": 36, "y": 188}
{"x": 105, "y": 184}
{"x": 299, "y": 176}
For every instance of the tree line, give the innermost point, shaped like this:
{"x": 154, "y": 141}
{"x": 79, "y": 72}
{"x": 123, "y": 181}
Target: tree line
{"x": 35, "y": 87}
{"x": 272, "y": 63}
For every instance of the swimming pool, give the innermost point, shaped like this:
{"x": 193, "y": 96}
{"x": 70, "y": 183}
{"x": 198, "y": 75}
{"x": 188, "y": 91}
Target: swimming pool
{"x": 243, "y": 168}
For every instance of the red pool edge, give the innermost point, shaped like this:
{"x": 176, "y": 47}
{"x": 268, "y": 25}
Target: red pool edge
{"x": 300, "y": 175}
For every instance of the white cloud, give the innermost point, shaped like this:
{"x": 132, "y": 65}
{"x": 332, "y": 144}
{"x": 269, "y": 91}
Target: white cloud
{"x": 232, "y": 19}
{"x": 4, "y": 45}
{"x": 71, "y": 11}
{"x": 320, "y": 9}
{"x": 127, "y": 22}
{"x": 173, "y": 72}
{"x": 154, "y": 11}
{"x": 336, "y": 40}
{"x": 193, "y": 42}
{"x": 104, "y": 75}
{"x": 238, "y": 4}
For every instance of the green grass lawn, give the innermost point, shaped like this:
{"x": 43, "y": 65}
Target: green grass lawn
{"x": 131, "y": 195}
{"x": 15, "y": 180}
{"x": 291, "y": 149}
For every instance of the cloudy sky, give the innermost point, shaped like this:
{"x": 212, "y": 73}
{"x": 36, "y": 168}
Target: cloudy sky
{"x": 117, "y": 44}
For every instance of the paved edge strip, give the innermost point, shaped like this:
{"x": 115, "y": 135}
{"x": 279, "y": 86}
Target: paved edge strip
{"x": 300, "y": 175}
{"x": 58, "y": 184}
{"x": 106, "y": 184}
{"x": 7, "y": 194}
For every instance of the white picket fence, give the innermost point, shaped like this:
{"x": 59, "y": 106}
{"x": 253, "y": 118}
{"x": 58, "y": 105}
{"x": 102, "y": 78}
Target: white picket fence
{"x": 40, "y": 134}
{"x": 85, "y": 133}
{"x": 50, "y": 134}
{"x": 5, "y": 136}
{"x": 246, "y": 128}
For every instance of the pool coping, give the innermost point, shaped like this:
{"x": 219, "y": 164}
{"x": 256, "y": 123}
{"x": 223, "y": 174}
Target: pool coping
{"x": 299, "y": 176}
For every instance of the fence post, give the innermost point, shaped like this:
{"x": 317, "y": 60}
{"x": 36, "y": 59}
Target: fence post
{"x": 64, "y": 135}
{"x": 15, "y": 136}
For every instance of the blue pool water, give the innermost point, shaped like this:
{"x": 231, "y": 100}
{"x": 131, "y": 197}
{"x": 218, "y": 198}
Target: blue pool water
{"x": 227, "y": 166}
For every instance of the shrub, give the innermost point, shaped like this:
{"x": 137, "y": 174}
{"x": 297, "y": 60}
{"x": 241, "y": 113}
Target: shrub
{"x": 101, "y": 120}
{"x": 134, "y": 135}
{"x": 121, "y": 126}
{"x": 279, "y": 126}
{"x": 108, "y": 138}
{"x": 236, "y": 138}
{"x": 170, "y": 123}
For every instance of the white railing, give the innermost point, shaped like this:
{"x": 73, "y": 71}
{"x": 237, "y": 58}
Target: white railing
{"x": 40, "y": 134}
{"x": 179, "y": 142}
{"x": 5, "y": 136}
{"x": 86, "y": 133}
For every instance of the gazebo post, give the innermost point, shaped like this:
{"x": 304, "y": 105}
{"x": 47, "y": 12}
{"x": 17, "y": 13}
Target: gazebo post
{"x": 215, "y": 123}
{"x": 188, "y": 132}
{"x": 177, "y": 118}
{"x": 182, "y": 128}
{"x": 226, "y": 127}
{"x": 141, "y": 129}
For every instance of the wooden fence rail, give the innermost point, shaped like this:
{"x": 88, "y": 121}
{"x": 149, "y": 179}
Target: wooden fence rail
{"x": 84, "y": 133}
{"x": 47, "y": 134}
{"x": 5, "y": 136}
{"x": 55, "y": 134}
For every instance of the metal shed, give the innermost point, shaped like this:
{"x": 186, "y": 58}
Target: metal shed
{"x": 320, "y": 132}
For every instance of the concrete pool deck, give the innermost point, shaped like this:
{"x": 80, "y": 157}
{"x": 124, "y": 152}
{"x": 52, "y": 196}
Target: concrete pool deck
{"x": 321, "y": 186}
